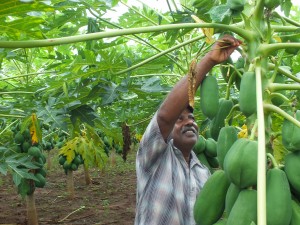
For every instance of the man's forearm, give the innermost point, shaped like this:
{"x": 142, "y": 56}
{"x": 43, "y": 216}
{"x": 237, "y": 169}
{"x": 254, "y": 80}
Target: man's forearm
{"x": 178, "y": 100}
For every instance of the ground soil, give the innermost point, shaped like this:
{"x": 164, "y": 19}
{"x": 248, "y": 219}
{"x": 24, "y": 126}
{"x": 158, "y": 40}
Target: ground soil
{"x": 109, "y": 199}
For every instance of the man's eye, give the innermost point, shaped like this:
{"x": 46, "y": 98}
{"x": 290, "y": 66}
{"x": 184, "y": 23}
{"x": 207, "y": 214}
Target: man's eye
{"x": 192, "y": 118}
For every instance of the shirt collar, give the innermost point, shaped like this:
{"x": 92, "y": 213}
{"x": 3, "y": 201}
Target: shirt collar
{"x": 193, "y": 161}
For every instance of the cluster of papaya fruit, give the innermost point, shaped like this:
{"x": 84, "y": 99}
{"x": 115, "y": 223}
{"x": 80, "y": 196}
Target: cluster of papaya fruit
{"x": 108, "y": 146}
{"x": 230, "y": 194}
{"x": 23, "y": 144}
{"x": 73, "y": 165}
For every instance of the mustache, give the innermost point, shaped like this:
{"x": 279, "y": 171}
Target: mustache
{"x": 189, "y": 128}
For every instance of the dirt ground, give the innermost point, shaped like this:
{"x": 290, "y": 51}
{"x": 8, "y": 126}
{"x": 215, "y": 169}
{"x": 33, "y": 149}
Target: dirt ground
{"x": 110, "y": 199}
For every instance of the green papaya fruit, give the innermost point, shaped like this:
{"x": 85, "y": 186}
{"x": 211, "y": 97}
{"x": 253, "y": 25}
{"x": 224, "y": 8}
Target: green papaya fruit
{"x": 19, "y": 138}
{"x": 62, "y": 159}
{"x": 291, "y": 133}
{"x": 292, "y": 169}
{"x": 240, "y": 163}
{"x": 202, "y": 158}
{"x": 67, "y": 166}
{"x": 200, "y": 145}
{"x": 222, "y": 221}
{"x": 226, "y": 138}
{"x": 209, "y": 96}
{"x": 278, "y": 198}
{"x": 237, "y": 6}
{"x": 295, "y": 213}
{"x": 225, "y": 106}
{"x": 231, "y": 196}
{"x": 213, "y": 192}
{"x": 281, "y": 80}
{"x": 25, "y": 146}
{"x": 271, "y": 4}
{"x": 34, "y": 151}
{"x": 244, "y": 210}
{"x": 41, "y": 181}
{"x": 291, "y": 37}
{"x": 74, "y": 166}
{"x": 247, "y": 97}
{"x": 213, "y": 162}
{"x": 77, "y": 160}
{"x": 210, "y": 147}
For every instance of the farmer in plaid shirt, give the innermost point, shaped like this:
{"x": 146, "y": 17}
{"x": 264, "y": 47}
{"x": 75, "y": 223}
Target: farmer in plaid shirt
{"x": 169, "y": 175}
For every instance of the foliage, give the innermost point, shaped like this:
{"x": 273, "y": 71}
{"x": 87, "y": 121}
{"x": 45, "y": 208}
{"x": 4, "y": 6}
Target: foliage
{"x": 81, "y": 84}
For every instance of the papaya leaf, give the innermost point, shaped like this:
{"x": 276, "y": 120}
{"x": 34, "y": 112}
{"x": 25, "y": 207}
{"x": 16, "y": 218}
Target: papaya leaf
{"x": 52, "y": 115}
{"x": 152, "y": 85}
{"x": 3, "y": 169}
{"x": 203, "y": 6}
{"x": 286, "y": 6}
{"x": 92, "y": 134}
{"x": 69, "y": 148}
{"x": 35, "y": 130}
{"x": 279, "y": 151}
{"x": 220, "y": 14}
{"x": 84, "y": 113}
{"x": 19, "y": 174}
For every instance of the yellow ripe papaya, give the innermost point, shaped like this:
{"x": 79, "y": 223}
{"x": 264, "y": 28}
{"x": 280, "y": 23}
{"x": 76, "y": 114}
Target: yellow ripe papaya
{"x": 213, "y": 192}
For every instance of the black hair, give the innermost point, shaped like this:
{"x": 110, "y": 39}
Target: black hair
{"x": 190, "y": 108}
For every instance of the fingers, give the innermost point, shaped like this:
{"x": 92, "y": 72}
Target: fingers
{"x": 228, "y": 39}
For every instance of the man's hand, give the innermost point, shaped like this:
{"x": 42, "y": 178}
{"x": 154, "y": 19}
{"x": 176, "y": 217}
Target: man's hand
{"x": 223, "y": 48}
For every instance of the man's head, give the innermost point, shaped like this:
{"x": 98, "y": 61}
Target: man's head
{"x": 185, "y": 131}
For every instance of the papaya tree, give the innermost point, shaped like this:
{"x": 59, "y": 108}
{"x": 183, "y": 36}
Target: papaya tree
{"x": 93, "y": 62}
{"x": 85, "y": 147}
{"x": 25, "y": 160}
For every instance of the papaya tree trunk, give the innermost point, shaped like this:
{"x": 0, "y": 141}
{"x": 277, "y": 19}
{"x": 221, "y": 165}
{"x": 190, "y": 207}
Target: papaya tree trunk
{"x": 31, "y": 210}
{"x": 49, "y": 162}
{"x": 70, "y": 184}
{"x": 88, "y": 179}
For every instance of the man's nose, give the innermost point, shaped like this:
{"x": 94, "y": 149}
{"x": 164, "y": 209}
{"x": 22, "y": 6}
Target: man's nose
{"x": 189, "y": 121}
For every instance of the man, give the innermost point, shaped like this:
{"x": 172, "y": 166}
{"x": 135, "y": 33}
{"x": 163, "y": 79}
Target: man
{"x": 169, "y": 175}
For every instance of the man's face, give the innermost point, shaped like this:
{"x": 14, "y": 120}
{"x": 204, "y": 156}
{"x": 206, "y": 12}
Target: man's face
{"x": 185, "y": 131}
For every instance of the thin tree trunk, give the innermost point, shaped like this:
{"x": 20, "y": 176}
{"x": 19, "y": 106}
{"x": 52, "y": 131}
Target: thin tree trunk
{"x": 31, "y": 210}
{"x": 70, "y": 184}
{"x": 88, "y": 180}
{"x": 48, "y": 161}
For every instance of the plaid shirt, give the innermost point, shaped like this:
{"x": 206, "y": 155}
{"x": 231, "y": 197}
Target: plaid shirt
{"x": 166, "y": 186}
